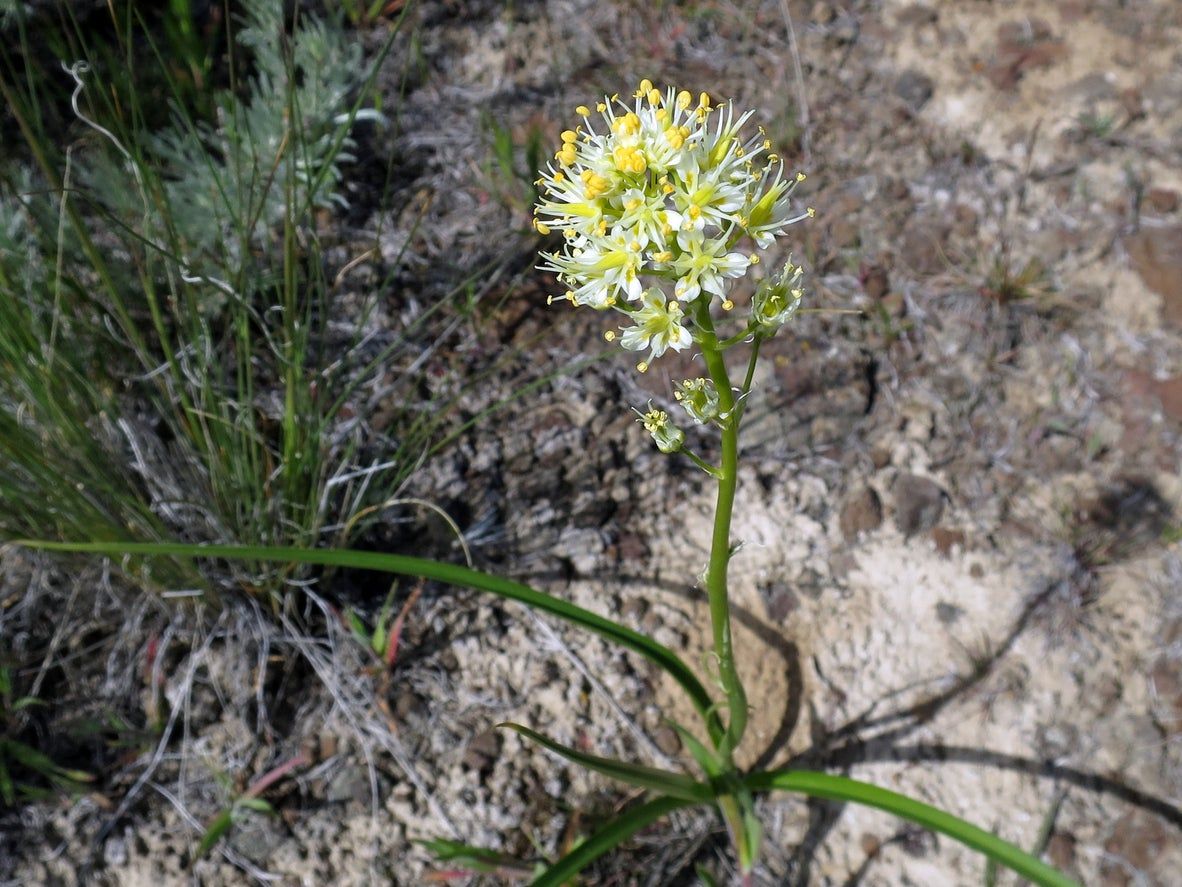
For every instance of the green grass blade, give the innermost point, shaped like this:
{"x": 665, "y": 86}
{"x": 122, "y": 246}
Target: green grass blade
{"x": 607, "y": 839}
{"x": 403, "y": 565}
{"x": 839, "y": 788}
{"x": 676, "y": 785}
{"x": 220, "y": 825}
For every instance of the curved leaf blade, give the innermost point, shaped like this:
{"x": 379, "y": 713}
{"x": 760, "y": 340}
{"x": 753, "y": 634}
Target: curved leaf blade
{"x": 404, "y": 565}
{"x": 607, "y": 839}
{"x": 841, "y": 788}
{"x": 676, "y": 785}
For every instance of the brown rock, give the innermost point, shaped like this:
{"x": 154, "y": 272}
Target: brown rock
{"x": 667, "y": 740}
{"x": 922, "y": 245}
{"x": 861, "y": 513}
{"x": 919, "y": 502}
{"x": 947, "y": 539}
{"x": 1156, "y": 255}
{"x": 1061, "y": 850}
{"x": 1137, "y": 841}
{"x": 874, "y": 280}
{"x": 483, "y": 751}
{"x": 1161, "y": 200}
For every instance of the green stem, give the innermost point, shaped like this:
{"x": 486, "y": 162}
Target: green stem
{"x": 711, "y": 470}
{"x": 720, "y": 546}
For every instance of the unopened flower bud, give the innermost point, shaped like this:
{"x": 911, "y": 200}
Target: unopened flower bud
{"x": 668, "y": 436}
{"x": 777, "y": 299}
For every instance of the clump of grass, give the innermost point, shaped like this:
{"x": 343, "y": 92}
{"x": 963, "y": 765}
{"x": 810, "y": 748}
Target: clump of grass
{"x": 174, "y": 365}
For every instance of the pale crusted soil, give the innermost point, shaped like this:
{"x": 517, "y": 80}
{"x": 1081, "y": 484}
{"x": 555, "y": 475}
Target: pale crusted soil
{"x": 956, "y": 577}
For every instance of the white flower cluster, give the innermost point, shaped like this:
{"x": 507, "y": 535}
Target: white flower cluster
{"x": 661, "y": 199}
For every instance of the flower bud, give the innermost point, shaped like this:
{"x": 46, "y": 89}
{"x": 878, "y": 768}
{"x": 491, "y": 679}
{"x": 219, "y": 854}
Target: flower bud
{"x": 777, "y": 299}
{"x": 668, "y": 436}
{"x": 699, "y": 398}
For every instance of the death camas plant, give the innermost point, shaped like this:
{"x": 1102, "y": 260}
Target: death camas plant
{"x": 663, "y": 203}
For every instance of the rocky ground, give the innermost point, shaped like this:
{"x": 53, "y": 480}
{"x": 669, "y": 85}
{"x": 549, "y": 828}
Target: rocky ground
{"x": 960, "y": 574}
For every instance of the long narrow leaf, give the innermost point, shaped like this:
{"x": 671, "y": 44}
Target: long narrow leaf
{"x": 607, "y": 839}
{"x": 451, "y": 574}
{"x": 839, "y": 788}
{"x": 676, "y": 785}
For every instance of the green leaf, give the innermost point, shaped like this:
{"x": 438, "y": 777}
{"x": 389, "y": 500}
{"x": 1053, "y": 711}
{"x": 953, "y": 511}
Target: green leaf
{"x": 476, "y": 859}
{"x": 607, "y": 839}
{"x": 357, "y": 627}
{"x": 256, "y": 804}
{"x": 705, "y": 877}
{"x": 676, "y": 785}
{"x": 450, "y": 574}
{"x": 7, "y": 788}
{"x": 220, "y": 825}
{"x": 840, "y": 788}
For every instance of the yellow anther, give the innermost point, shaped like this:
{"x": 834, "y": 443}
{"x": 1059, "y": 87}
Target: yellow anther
{"x": 569, "y": 135}
{"x": 754, "y": 258}
{"x": 654, "y": 97}
{"x": 812, "y": 212}
{"x": 727, "y": 305}
{"x": 600, "y": 107}
{"x": 541, "y": 227}
{"x": 694, "y": 212}
{"x": 800, "y": 177}
{"x": 797, "y": 293}
{"x": 634, "y": 246}
{"x": 642, "y": 367}
{"x": 632, "y": 204}
{"x": 684, "y": 99}
{"x": 610, "y": 336}
{"x": 772, "y": 158}
{"x": 704, "y": 101}
{"x": 662, "y": 114}
{"x": 685, "y": 130}
{"x": 646, "y": 86}
{"x": 663, "y": 256}
{"x": 666, "y": 229}
{"x": 767, "y": 143}
{"x": 582, "y": 110}
{"x": 559, "y": 177}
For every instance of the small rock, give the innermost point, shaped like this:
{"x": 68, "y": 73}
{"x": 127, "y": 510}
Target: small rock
{"x": 1161, "y": 200}
{"x": 923, "y": 245}
{"x": 914, "y": 87}
{"x": 348, "y": 784}
{"x": 871, "y": 844}
{"x": 919, "y": 502}
{"x": 948, "y": 613}
{"x": 977, "y": 571}
{"x": 915, "y": 15}
{"x": 822, "y": 13}
{"x": 874, "y": 280}
{"x": 1061, "y": 851}
{"x": 780, "y": 601}
{"x": 483, "y": 751}
{"x": 947, "y": 539}
{"x": 667, "y": 740}
{"x": 1156, "y": 255}
{"x": 861, "y": 513}
{"x": 407, "y": 704}
{"x": 1137, "y": 840}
